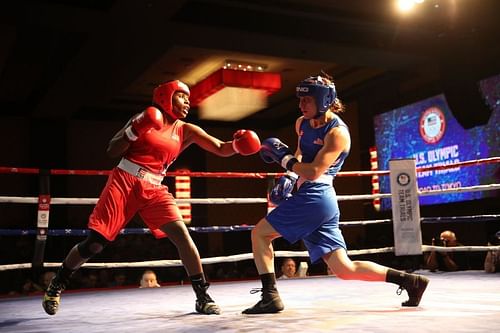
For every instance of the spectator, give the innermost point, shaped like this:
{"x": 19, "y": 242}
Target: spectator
{"x": 119, "y": 280}
{"x": 492, "y": 261}
{"x": 149, "y": 280}
{"x": 446, "y": 261}
{"x": 104, "y": 278}
{"x": 28, "y": 287}
{"x": 90, "y": 280}
{"x": 288, "y": 268}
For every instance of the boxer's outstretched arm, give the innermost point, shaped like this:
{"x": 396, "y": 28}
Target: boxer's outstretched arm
{"x": 245, "y": 142}
{"x": 197, "y": 135}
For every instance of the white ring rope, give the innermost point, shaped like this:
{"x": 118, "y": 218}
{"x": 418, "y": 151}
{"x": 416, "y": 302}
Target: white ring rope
{"x": 475, "y": 248}
{"x": 246, "y": 256}
{"x": 249, "y": 256}
{"x": 223, "y": 201}
{"x": 489, "y": 187}
{"x": 364, "y": 222}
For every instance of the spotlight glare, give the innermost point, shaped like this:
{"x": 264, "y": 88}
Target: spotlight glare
{"x": 405, "y": 5}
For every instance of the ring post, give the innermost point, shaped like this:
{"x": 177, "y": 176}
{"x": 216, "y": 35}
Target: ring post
{"x": 42, "y": 222}
{"x": 405, "y": 207}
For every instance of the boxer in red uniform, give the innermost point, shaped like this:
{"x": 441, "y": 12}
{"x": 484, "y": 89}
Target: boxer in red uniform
{"x": 148, "y": 144}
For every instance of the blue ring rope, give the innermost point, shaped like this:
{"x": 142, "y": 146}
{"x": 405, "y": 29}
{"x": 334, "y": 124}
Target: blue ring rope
{"x": 233, "y": 228}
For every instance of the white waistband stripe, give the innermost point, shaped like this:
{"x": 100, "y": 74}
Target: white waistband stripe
{"x": 323, "y": 179}
{"x": 140, "y": 172}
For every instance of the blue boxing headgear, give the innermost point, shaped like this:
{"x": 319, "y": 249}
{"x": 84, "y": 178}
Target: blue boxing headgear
{"x": 323, "y": 91}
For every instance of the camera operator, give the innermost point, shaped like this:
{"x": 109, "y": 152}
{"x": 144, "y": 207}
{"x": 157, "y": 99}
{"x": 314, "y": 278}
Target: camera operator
{"x": 446, "y": 261}
{"x": 492, "y": 260}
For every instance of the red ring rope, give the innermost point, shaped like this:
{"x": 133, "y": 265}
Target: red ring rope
{"x": 261, "y": 175}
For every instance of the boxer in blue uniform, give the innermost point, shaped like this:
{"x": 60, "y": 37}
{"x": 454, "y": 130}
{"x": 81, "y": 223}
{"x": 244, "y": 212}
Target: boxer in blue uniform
{"x": 311, "y": 213}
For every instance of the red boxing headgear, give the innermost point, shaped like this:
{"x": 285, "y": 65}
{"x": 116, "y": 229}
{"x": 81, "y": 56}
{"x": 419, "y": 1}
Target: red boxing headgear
{"x": 162, "y": 95}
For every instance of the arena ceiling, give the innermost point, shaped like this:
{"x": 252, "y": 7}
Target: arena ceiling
{"x": 100, "y": 59}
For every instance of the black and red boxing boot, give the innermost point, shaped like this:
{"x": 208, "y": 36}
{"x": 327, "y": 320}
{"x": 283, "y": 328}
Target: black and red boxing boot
{"x": 414, "y": 285}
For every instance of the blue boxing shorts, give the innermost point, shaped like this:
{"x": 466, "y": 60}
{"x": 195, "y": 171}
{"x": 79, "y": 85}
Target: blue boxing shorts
{"x": 311, "y": 214}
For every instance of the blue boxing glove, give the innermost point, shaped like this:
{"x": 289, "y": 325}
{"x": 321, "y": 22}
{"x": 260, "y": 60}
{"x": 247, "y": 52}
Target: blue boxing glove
{"x": 273, "y": 150}
{"x": 283, "y": 188}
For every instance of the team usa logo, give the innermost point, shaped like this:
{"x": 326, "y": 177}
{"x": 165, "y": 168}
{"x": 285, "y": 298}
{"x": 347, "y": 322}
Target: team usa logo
{"x": 403, "y": 179}
{"x": 141, "y": 173}
{"x": 318, "y": 141}
{"x": 432, "y": 125}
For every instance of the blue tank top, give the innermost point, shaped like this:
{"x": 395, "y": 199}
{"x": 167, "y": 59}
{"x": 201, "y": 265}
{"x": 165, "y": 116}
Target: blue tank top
{"x": 311, "y": 141}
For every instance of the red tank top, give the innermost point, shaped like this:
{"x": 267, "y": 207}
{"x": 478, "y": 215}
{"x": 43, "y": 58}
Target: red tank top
{"x": 157, "y": 149}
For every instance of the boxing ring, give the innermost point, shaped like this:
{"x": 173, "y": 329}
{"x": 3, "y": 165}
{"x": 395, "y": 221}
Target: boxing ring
{"x": 455, "y": 302}
{"x": 463, "y": 301}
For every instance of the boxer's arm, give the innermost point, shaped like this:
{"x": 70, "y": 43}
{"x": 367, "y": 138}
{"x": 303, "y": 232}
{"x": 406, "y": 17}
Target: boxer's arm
{"x": 118, "y": 144}
{"x": 335, "y": 142}
{"x": 298, "y": 152}
{"x": 195, "y": 134}
{"x": 283, "y": 188}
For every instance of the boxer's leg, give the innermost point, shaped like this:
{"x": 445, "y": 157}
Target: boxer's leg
{"x": 179, "y": 235}
{"x": 77, "y": 256}
{"x": 346, "y": 269}
{"x": 262, "y": 237}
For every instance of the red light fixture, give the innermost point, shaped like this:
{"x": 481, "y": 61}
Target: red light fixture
{"x": 231, "y": 94}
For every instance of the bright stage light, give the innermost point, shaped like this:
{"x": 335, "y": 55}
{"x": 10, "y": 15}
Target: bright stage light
{"x": 405, "y": 5}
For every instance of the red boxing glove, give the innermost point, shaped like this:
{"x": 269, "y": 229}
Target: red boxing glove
{"x": 149, "y": 119}
{"x": 246, "y": 142}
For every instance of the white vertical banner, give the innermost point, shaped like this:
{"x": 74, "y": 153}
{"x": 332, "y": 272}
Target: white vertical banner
{"x": 405, "y": 207}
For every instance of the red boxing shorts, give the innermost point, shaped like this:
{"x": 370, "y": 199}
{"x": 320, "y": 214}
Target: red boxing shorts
{"x": 125, "y": 195}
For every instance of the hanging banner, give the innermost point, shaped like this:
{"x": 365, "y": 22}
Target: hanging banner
{"x": 405, "y": 207}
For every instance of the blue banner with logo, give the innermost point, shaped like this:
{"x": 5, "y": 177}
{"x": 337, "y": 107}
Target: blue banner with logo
{"x": 428, "y": 132}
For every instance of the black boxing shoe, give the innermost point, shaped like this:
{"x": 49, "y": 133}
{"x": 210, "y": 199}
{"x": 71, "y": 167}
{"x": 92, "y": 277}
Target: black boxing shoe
{"x": 270, "y": 303}
{"x": 52, "y": 296}
{"x": 206, "y": 305}
{"x": 415, "y": 286}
